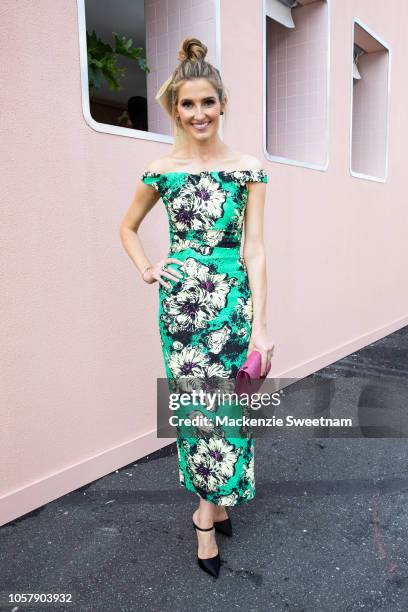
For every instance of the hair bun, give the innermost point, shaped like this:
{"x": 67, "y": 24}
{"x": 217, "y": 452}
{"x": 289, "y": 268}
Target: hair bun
{"x": 192, "y": 49}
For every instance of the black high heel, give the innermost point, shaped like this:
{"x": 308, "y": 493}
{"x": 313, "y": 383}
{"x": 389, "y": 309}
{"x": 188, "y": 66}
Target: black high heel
{"x": 224, "y": 527}
{"x": 211, "y": 565}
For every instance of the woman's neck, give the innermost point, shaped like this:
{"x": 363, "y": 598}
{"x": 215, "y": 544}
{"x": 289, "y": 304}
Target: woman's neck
{"x": 202, "y": 152}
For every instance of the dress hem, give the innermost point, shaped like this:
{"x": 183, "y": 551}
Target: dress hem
{"x": 239, "y": 502}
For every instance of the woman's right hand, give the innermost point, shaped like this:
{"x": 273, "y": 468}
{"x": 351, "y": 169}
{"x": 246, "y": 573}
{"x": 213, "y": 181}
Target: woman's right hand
{"x": 156, "y": 272}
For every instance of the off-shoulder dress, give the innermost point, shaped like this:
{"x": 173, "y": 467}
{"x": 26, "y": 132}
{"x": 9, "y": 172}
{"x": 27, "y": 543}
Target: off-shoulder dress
{"x": 205, "y": 318}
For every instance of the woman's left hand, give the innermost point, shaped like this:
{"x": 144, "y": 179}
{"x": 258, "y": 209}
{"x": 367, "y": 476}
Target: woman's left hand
{"x": 261, "y": 342}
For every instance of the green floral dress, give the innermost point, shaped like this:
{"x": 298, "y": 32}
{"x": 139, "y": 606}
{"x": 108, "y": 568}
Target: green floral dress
{"x": 205, "y": 318}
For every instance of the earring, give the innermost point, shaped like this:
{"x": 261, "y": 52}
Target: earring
{"x": 222, "y": 112}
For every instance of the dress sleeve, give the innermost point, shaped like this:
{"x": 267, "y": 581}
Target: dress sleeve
{"x": 152, "y": 179}
{"x": 258, "y": 176}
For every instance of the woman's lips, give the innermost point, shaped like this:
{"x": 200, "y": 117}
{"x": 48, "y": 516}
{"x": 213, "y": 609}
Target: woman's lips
{"x": 201, "y": 127}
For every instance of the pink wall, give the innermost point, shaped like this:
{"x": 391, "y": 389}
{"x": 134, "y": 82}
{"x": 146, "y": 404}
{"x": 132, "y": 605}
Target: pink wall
{"x": 297, "y": 85}
{"x": 81, "y": 350}
{"x": 369, "y": 115}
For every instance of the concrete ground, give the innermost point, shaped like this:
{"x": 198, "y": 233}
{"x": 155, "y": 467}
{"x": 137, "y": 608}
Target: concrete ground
{"x": 326, "y": 531}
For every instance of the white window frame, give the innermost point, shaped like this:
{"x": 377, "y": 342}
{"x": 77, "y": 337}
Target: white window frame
{"x": 115, "y": 129}
{"x": 287, "y": 160}
{"x": 368, "y": 177}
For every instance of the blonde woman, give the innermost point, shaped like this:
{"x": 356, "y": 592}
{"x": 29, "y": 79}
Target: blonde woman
{"x": 212, "y": 300}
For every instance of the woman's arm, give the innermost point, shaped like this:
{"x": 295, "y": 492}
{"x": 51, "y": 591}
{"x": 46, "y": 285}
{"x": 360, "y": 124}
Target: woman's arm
{"x": 255, "y": 259}
{"x": 144, "y": 200}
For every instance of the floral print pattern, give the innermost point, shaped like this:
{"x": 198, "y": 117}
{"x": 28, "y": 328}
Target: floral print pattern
{"x": 205, "y": 320}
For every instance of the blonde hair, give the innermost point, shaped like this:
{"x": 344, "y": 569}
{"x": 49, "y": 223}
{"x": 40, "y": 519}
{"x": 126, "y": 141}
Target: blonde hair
{"x": 192, "y": 66}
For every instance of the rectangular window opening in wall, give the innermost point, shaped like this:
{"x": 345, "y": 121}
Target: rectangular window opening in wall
{"x": 297, "y": 81}
{"x": 369, "y": 106}
{"x": 128, "y": 49}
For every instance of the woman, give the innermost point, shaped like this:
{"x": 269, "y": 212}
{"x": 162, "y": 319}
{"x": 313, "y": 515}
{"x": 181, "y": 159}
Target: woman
{"x": 212, "y": 301}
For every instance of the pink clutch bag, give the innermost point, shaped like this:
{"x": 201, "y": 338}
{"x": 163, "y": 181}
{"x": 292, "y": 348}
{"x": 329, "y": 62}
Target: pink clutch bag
{"x": 249, "y": 379}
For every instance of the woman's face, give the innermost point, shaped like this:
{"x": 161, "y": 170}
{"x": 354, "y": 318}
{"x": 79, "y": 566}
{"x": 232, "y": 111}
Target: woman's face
{"x": 198, "y": 105}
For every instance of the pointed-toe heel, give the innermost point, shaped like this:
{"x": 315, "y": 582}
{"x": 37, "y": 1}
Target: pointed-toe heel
{"x": 224, "y": 527}
{"x": 211, "y": 565}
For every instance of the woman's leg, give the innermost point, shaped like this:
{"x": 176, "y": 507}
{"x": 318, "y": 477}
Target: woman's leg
{"x": 220, "y": 513}
{"x": 204, "y": 516}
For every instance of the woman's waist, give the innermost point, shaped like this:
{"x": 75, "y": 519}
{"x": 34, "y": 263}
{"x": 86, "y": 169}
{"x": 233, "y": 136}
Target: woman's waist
{"x": 205, "y": 242}
{"x": 220, "y": 261}
{"x": 206, "y": 253}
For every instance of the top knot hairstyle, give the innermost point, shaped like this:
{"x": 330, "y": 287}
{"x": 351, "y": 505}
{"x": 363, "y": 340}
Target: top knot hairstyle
{"x": 192, "y": 49}
{"x": 192, "y": 66}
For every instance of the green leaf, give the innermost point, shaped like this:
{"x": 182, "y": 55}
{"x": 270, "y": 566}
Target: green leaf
{"x": 102, "y": 60}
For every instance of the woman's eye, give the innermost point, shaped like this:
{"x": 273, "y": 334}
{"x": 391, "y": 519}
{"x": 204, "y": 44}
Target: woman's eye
{"x": 208, "y": 102}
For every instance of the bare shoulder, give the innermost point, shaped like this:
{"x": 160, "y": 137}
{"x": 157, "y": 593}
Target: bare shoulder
{"x": 159, "y": 165}
{"x": 250, "y": 162}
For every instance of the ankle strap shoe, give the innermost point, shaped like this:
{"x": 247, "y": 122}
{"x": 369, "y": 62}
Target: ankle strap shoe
{"x": 211, "y": 565}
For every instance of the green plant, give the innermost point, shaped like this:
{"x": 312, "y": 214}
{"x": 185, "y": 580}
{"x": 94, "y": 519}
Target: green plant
{"x": 102, "y": 60}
